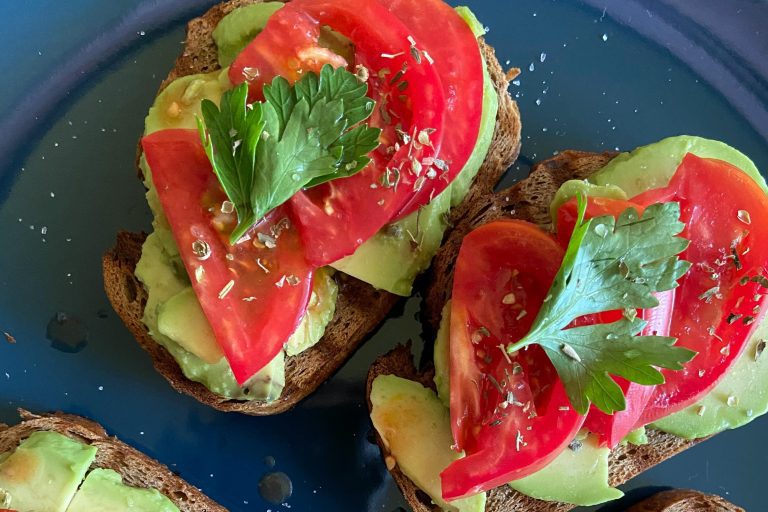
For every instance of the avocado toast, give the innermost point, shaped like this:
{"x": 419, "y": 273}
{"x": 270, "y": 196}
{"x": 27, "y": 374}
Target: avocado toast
{"x": 530, "y": 200}
{"x": 359, "y": 306}
{"x": 62, "y": 448}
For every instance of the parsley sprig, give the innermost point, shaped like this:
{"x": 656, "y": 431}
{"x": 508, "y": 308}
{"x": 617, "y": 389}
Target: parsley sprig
{"x": 300, "y": 136}
{"x": 610, "y": 265}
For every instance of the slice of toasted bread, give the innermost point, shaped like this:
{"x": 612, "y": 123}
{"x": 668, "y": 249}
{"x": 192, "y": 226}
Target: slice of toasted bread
{"x": 684, "y": 500}
{"x": 527, "y": 200}
{"x": 360, "y": 307}
{"x": 137, "y": 469}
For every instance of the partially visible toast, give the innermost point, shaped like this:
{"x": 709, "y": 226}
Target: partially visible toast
{"x": 683, "y": 500}
{"x": 527, "y": 200}
{"x": 137, "y": 469}
{"x": 360, "y": 307}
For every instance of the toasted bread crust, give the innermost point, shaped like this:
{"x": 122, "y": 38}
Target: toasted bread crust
{"x": 137, "y": 469}
{"x": 360, "y": 307}
{"x": 683, "y": 500}
{"x": 527, "y": 200}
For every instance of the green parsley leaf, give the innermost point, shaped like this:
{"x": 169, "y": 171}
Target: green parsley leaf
{"x": 611, "y": 265}
{"x": 300, "y": 136}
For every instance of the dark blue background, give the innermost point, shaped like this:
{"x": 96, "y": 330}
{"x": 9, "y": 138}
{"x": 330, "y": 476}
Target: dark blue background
{"x": 79, "y": 77}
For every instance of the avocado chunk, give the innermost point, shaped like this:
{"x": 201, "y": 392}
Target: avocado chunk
{"x": 574, "y": 188}
{"x": 181, "y": 319}
{"x": 652, "y": 166}
{"x": 740, "y": 397}
{"x": 178, "y": 105}
{"x": 416, "y": 430}
{"x": 637, "y": 437}
{"x": 393, "y": 257}
{"x": 239, "y": 27}
{"x": 163, "y": 280}
{"x": 104, "y": 491}
{"x": 320, "y": 310}
{"x": 442, "y": 357}
{"x": 43, "y": 473}
{"x": 579, "y": 475}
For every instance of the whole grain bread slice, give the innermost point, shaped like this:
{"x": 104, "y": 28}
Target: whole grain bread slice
{"x": 527, "y": 200}
{"x": 684, "y": 500}
{"x": 360, "y": 307}
{"x": 137, "y": 469}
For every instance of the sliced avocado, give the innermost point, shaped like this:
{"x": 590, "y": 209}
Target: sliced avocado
{"x": 239, "y": 27}
{"x": 416, "y": 430}
{"x": 740, "y": 397}
{"x": 392, "y": 258}
{"x": 320, "y": 311}
{"x": 579, "y": 475}
{"x": 179, "y": 103}
{"x": 652, "y": 166}
{"x": 573, "y": 188}
{"x": 442, "y": 357}
{"x": 43, "y": 473}
{"x": 181, "y": 319}
{"x": 103, "y": 490}
{"x": 474, "y": 24}
{"x": 637, "y": 437}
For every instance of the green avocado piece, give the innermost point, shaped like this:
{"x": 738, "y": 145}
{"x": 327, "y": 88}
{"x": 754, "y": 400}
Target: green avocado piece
{"x": 181, "y": 319}
{"x": 320, "y": 310}
{"x": 103, "y": 490}
{"x": 573, "y": 188}
{"x": 178, "y": 105}
{"x": 442, "y": 357}
{"x": 239, "y": 27}
{"x": 652, "y": 166}
{"x": 173, "y": 318}
{"x": 43, "y": 473}
{"x": 579, "y": 476}
{"x": 392, "y": 258}
{"x": 416, "y": 430}
{"x": 740, "y": 397}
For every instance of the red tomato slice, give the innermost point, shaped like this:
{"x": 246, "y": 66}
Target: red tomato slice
{"x": 336, "y": 217}
{"x": 510, "y": 414}
{"x": 254, "y": 296}
{"x": 612, "y": 428}
{"x": 460, "y": 67}
{"x": 718, "y": 202}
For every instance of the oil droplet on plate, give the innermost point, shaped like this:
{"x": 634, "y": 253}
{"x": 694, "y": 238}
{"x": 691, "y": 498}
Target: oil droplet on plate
{"x": 275, "y": 487}
{"x": 67, "y": 333}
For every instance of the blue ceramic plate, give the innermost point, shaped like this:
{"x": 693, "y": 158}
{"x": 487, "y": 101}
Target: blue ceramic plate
{"x": 79, "y": 77}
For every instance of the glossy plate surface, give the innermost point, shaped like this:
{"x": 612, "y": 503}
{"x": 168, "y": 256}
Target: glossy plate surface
{"x": 79, "y": 77}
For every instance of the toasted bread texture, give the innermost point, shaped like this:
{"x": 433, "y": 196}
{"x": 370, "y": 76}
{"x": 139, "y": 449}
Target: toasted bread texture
{"x": 684, "y": 500}
{"x": 527, "y": 200}
{"x": 137, "y": 469}
{"x": 360, "y": 307}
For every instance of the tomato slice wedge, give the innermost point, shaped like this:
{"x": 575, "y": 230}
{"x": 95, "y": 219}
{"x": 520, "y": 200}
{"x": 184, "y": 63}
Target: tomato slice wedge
{"x": 715, "y": 314}
{"x": 338, "y": 216}
{"x": 510, "y": 414}
{"x": 460, "y": 67}
{"x": 254, "y": 293}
